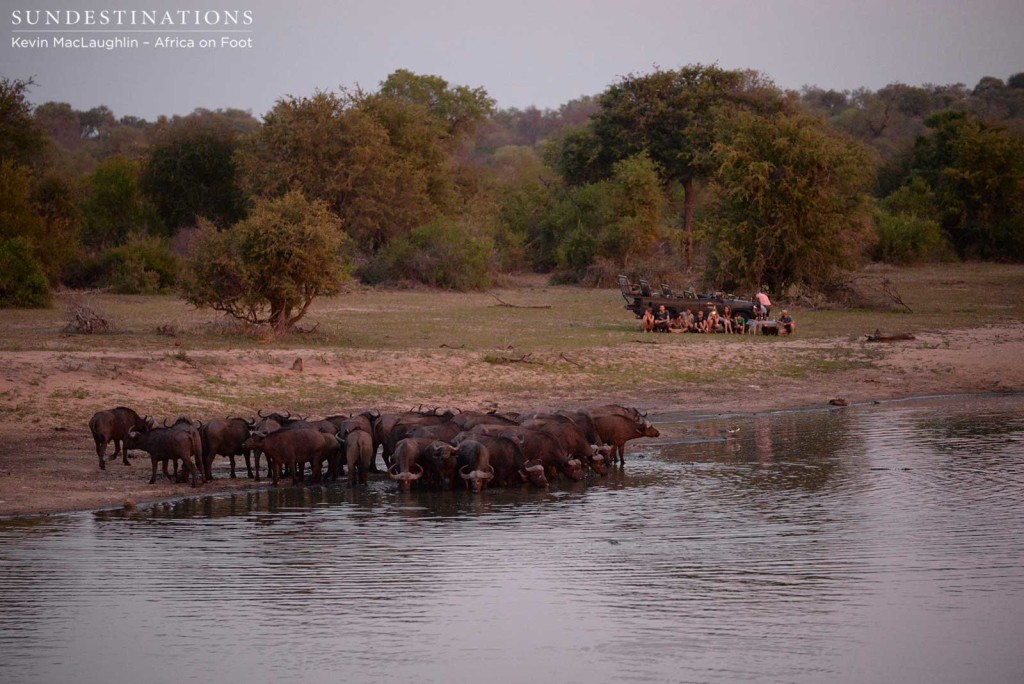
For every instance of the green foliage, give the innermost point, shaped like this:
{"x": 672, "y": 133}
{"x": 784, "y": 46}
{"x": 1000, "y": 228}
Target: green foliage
{"x": 191, "y": 172}
{"x": 671, "y": 115}
{"x": 908, "y": 229}
{"x": 340, "y": 155}
{"x": 443, "y": 253}
{"x": 577, "y": 251}
{"x": 904, "y": 238}
{"x": 567, "y": 227}
{"x": 19, "y": 216}
{"x": 638, "y": 210}
{"x": 792, "y": 207}
{"x": 976, "y": 173}
{"x": 21, "y": 137}
{"x": 22, "y": 281}
{"x": 114, "y": 205}
{"x": 143, "y": 265}
{"x": 459, "y": 109}
{"x": 270, "y": 267}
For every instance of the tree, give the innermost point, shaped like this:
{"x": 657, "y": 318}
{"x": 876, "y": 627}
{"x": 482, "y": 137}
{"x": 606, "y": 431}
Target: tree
{"x": 114, "y": 205}
{"x": 458, "y": 108}
{"x": 342, "y": 156}
{"x": 792, "y": 206}
{"x": 21, "y": 137}
{"x": 269, "y": 268}
{"x": 22, "y": 281}
{"x": 671, "y": 116}
{"x": 192, "y": 171}
{"x": 976, "y": 172}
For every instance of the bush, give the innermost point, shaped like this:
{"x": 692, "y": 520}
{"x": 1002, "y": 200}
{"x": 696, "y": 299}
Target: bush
{"x": 22, "y": 281}
{"x": 270, "y": 267}
{"x": 904, "y": 238}
{"x": 145, "y": 265}
{"x": 443, "y": 253}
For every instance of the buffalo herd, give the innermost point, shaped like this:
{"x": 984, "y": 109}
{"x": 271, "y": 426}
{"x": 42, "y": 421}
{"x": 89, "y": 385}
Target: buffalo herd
{"x": 430, "y": 448}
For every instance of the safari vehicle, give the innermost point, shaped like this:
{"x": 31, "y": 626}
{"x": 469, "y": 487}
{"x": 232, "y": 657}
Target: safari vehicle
{"x": 640, "y": 296}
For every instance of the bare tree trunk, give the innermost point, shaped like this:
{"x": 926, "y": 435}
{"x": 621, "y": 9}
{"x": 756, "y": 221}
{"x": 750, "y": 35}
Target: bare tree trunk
{"x": 688, "y": 202}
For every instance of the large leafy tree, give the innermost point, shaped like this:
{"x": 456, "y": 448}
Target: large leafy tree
{"x": 458, "y": 109}
{"x": 671, "y": 115}
{"x": 976, "y": 173}
{"x": 792, "y": 201}
{"x": 192, "y": 172}
{"x": 341, "y": 155}
{"x": 270, "y": 267}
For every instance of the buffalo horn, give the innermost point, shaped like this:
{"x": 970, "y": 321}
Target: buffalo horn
{"x": 259, "y": 412}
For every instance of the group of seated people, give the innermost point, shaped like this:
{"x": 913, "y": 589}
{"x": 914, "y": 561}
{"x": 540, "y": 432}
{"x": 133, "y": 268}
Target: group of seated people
{"x": 662, "y": 321}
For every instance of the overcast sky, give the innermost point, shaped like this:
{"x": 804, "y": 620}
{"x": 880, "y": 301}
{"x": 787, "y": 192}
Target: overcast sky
{"x": 527, "y": 52}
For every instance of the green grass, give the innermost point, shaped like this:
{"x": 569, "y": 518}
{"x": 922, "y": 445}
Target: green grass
{"x": 583, "y": 338}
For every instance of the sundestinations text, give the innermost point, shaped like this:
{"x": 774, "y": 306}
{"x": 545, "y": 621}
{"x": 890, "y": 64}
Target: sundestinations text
{"x": 120, "y": 17}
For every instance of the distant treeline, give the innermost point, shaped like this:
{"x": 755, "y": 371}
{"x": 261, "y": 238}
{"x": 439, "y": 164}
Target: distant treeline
{"x": 712, "y": 175}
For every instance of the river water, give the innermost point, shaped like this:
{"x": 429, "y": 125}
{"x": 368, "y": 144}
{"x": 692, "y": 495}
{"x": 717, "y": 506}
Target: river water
{"x": 866, "y": 544}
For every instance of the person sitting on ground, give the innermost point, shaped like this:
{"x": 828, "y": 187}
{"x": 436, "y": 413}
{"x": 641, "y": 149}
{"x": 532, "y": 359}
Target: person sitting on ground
{"x": 739, "y": 324}
{"x": 689, "y": 320}
{"x": 661, "y": 319}
{"x": 786, "y": 324}
{"x": 700, "y": 324}
{"x": 677, "y": 324}
{"x": 727, "y": 320}
{"x": 713, "y": 321}
{"x": 647, "y": 322}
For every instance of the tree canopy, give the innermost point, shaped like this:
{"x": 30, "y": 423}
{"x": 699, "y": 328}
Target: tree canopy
{"x": 269, "y": 268}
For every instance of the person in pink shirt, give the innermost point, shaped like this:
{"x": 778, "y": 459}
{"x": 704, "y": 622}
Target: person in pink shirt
{"x": 764, "y": 303}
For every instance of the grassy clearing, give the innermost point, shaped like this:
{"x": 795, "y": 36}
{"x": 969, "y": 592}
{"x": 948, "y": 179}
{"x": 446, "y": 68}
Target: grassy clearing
{"x": 941, "y": 297}
{"x": 375, "y": 347}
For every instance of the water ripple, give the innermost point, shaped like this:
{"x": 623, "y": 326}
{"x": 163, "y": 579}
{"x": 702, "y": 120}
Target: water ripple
{"x": 867, "y": 544}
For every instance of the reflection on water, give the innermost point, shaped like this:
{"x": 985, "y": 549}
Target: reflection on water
{"x": 867, "y": 544}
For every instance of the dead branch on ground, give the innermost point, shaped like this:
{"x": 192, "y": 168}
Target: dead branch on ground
{"x": 519, "y": 306}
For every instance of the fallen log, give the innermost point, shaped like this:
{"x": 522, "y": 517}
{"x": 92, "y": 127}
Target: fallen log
{"x": 879, "y": 336}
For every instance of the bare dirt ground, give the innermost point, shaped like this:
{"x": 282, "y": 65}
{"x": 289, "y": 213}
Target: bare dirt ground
{"x": 48, "y": 462}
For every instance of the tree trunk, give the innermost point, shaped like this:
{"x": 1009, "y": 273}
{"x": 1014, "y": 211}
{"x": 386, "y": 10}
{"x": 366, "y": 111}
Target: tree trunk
{"x": 688, "y": 201}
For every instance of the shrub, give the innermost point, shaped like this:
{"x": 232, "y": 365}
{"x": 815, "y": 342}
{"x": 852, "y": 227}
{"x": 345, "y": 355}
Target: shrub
{"x": 905, "y": 238}
{"x": 443, "y": 253}
{"x": 145, "y": 265}
{"x": 270, "y": 267}
{"x": 22, "y": 281}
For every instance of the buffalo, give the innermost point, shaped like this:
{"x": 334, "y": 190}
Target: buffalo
{"x": 572, "y": 438}
{"x": 474, "y": 464}
{"x": 169, "y": 444}
{"x": 617, "y": 425}
{"x": 415, "y": 457}
{"x": 225, "y": 438}
{"x": 505, "y": 460}
{"x": 358, "y": 446}
{"x": 293, "y": 448}
{"x": 541, "y": 446}
{"x": 114, "y": 426}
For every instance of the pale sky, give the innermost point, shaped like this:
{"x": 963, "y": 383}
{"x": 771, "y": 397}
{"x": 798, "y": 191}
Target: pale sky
{"x": 524, "y": 52}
